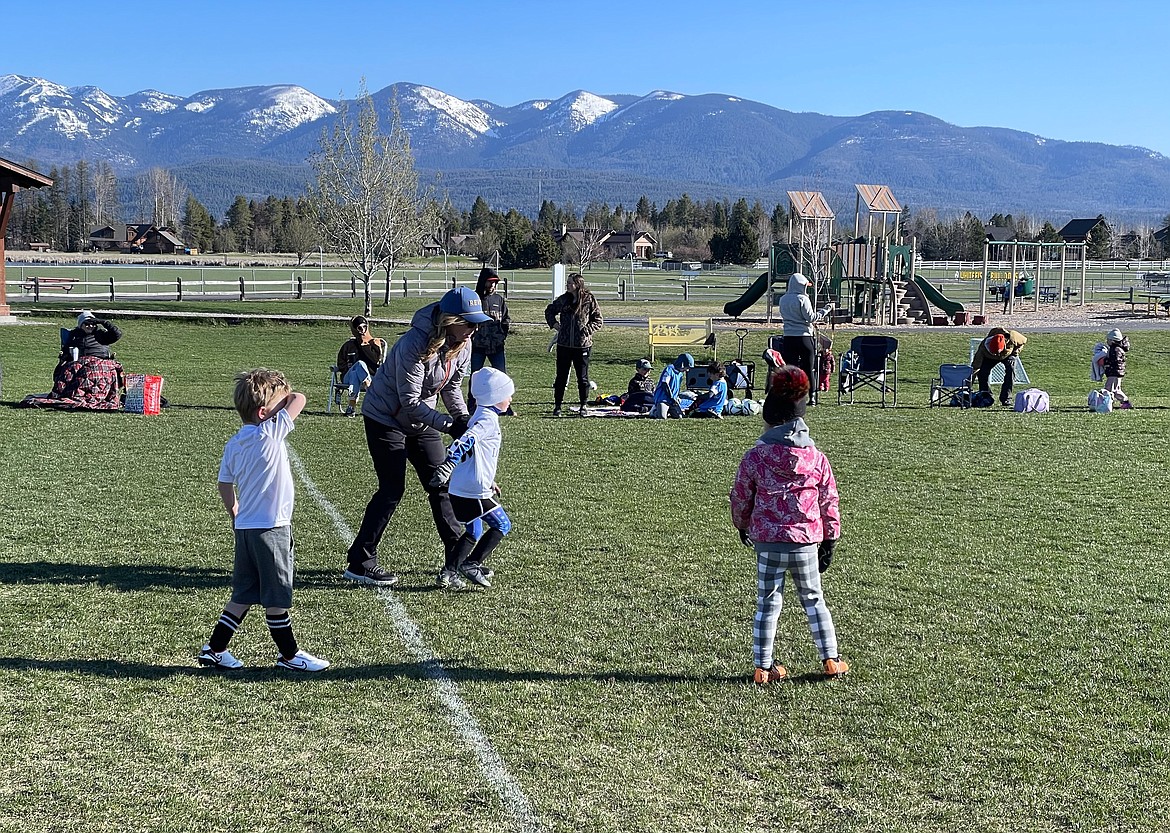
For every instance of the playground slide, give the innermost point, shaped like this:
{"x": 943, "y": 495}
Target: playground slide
{"x": 937, "y": 298}
{"x": 754, "y": 293}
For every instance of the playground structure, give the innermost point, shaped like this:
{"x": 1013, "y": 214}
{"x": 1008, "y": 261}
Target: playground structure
{"x": 1020, "y": 285}
{"x": 868, "y": 278}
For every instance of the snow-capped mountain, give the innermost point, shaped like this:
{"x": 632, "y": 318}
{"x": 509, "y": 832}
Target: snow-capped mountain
{"x": 580, "y": 147}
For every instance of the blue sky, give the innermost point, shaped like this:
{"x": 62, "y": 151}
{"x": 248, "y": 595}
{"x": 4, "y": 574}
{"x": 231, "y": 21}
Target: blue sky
{"x": 1073, "y": 70}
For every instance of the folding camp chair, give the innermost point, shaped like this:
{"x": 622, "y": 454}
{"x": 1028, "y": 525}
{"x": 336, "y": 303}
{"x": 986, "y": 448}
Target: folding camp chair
{"x": 1020, "y": 376}
{"x": 338, "y": 390}
{"x": 870, "y": 362}
{"x": 953, "y": 386}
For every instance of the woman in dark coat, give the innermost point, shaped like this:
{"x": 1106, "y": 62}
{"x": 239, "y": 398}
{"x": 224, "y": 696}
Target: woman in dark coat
{"x": 487, "y": 345}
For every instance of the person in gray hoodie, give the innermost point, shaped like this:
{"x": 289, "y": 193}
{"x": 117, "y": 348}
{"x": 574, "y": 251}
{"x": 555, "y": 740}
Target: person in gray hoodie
{"x": 800, "y": 346}
{"x": 403, "y": 423}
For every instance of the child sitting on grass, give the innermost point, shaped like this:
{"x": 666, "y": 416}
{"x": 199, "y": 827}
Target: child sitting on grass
{"x": 256, "y": 487}
{"x": 471, "y": 469}
{"x": 640, "y": 391}
{"x": 711, "y": 402}
{"x": 784, "y": 502}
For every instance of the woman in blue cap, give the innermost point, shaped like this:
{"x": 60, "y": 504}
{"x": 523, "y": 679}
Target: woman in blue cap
{"x": 403, "y": 423}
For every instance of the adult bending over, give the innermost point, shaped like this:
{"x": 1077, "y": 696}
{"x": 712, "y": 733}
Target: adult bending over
{"x": 359, "y": 359}
{"x": 999, "y": 347}
{"x": 402, "y": 424}
{"x": 576, "y": 317}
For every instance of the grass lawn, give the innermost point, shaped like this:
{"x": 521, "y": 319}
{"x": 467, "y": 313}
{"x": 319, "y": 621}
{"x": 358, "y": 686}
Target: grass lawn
{"x": 999, "y": 591}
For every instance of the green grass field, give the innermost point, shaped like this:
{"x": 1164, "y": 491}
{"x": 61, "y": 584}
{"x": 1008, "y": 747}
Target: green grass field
{"x": 999, "y": 591}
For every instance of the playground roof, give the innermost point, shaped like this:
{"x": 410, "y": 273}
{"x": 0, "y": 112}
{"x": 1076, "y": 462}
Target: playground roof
{"x": 810, "y": 205}
{"x": 879, "y": 199}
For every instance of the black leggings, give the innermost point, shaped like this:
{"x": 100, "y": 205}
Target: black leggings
{"x": 391, "y": 449}
{"x": 578, "y": 358}
{"x": 802, "y": 352}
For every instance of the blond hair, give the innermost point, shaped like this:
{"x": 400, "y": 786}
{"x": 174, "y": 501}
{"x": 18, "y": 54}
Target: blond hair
{"x": 258, "y": 388}
{"x": 438, "y": 335}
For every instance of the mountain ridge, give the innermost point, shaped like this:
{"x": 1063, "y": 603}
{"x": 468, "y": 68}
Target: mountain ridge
{"x": 611, "y": 148}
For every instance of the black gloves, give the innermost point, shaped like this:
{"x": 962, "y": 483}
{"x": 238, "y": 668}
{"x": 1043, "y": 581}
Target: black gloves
{"x": 459, "y": 426}
{"x": 442, "y": 474}
{"x": 825, "y": 552}
{"x": 743, "y": 536}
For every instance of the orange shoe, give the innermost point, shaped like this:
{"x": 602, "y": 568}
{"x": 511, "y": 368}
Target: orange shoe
{"x": 775, "y": 674}
{"x": 835, "y": 667}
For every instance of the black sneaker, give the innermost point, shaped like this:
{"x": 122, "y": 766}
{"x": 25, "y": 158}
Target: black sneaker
{"x": 370, "y": 575}
{"x": 556, "y": 412}
{"x": 487, "y": 571}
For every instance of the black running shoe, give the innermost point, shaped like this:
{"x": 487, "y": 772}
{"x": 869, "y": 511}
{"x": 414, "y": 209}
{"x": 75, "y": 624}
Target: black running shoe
{"x": 370, "y": 575}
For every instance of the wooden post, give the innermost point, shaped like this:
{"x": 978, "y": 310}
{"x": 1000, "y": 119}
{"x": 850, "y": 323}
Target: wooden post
{"x": 241, "y": 287}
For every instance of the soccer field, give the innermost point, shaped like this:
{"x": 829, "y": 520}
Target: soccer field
{"x": 1000, "y": 591}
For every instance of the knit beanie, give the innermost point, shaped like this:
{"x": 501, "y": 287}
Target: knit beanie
{"x": 787, "y": 396}
{"x": 997, "y": 343}
{"x": 86, "y": 315}
{"x": 490, "y": 386}
{"x": 1114, "y": 336}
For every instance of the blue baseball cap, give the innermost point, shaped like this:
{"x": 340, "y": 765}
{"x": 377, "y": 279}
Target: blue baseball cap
{"x": 463, "y": 302}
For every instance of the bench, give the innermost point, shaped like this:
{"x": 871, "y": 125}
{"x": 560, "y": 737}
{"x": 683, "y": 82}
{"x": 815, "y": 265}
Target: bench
{"x": 1050, "y": 293}
{"x": 1152, "y": 300}
{"x": 36, "y": 284}
{"x": 686, "y": 333}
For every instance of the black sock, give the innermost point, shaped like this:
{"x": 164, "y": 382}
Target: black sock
{"x": 280, "y": 626}
{"x": 224, "y": 630}
{"x": 457, "y": 552}
{"x": 483, "y": 548}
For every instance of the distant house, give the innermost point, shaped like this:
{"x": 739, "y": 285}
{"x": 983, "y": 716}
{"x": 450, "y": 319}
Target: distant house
{"x": 611, "y": 245}
{"x": 1000, "y": 234}
{"x": 432, "y": 246}
{"x": 107, "y": 238}
{"x": 150, "y": 239}
{"x": 1162, "y": 236}
{"x": 1077, "y": 231}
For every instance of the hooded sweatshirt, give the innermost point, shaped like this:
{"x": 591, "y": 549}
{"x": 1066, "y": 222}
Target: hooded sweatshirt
{"x": 406, "y": 389}
{"x": 784, "y": 490}
{"x": 797, "y": 311}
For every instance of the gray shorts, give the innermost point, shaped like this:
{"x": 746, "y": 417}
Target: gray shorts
{"x": 263, "y": 571}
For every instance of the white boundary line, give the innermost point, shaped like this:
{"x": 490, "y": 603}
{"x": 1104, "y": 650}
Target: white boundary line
{"x": 446, "y": 691}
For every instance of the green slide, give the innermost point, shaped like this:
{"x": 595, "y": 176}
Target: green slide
{"x": 937, "y": 298}
{"x": 754, "y": 293}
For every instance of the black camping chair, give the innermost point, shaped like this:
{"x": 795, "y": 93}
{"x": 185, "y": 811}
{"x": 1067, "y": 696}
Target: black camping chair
{"x": 870, "y": 362}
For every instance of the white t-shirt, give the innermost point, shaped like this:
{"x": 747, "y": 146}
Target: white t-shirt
{"x": 256, "y": 461}
{"x": 475, "y": 475}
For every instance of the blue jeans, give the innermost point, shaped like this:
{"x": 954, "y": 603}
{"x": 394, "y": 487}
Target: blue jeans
{"x": 355, "y": 378}
{"x": 478, "y": 360}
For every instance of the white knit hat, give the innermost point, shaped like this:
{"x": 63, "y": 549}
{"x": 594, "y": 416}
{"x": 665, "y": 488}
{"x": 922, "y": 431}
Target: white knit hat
{"x": 490, "y": 386}
{"x": 1114, "y": 335}
{"x": 86, "y": 315}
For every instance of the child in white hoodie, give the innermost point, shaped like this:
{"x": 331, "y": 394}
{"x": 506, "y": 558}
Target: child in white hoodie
{"x": 471, "y": 469}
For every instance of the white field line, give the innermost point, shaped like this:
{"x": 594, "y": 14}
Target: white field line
{"x": 456, "y": 711}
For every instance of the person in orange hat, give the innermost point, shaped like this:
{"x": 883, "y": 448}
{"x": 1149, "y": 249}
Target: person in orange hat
{"x": 999, "y": 347}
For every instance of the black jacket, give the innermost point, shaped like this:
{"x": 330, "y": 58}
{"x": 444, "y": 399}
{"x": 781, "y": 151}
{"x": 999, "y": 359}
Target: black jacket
{"x": 489, "y": 336}
{"x": 94, "y": 344}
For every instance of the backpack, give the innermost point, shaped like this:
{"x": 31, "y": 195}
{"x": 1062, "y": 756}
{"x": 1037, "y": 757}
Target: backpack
{"x": 982, "y": 399}
{"x": 1100, "y": 401}
{"x": 1032, "y": 401}
{"x": 1097, "y": 367}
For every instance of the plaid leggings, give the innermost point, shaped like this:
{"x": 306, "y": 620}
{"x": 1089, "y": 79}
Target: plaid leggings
{"x": 771, "y": 565}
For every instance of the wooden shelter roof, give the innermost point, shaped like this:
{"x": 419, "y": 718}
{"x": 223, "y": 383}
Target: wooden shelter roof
{"x": 13, "y": 177}
{"x": 810, "y": 205}
{"x": 879, "y": 199}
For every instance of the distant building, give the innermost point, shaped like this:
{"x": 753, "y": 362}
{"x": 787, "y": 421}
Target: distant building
{"x": 1077, "y": 231}
{"x": 1000, "y": 234}
{"x": 612, "y": 245}
{"x": 136, "y": 237}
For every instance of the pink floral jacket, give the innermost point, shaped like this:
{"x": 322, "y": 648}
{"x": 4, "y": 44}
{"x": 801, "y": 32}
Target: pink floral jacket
{"x": 784, "y": 491}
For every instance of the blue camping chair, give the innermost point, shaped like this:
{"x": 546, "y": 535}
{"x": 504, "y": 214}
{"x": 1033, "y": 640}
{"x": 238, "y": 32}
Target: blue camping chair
{"x": 870, "y": 362}
{"x": 952, "y": 387}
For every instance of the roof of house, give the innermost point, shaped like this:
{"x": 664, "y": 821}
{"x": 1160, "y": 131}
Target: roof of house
{"x": 1078, "y": 230}
{"x": 1000, "y": 234}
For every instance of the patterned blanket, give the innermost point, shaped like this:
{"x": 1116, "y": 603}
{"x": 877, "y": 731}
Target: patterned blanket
{"x": 89, "y": 384}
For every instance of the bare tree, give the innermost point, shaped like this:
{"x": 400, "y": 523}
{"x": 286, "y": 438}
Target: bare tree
{"x": 105, "y": 195}
{"x": 589, "y": 246}
{"x": 160, "y": 197}
{"x": 366, "y": 192}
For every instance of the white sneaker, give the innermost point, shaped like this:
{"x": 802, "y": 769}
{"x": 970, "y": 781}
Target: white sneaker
{"x": 223, "y": 659}
{"x": 303, "y": 661}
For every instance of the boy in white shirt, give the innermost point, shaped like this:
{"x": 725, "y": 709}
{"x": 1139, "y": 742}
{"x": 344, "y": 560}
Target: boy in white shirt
{"x": 256, "y": 487}
{"x": 471, "y": 468}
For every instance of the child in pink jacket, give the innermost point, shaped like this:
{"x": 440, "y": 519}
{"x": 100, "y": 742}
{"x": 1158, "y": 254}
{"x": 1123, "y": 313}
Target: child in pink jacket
{"x": 784, "y": 503}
